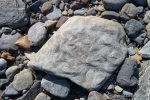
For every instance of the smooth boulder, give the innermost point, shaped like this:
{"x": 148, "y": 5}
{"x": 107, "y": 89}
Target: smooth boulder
{"x": 86, "y": 50}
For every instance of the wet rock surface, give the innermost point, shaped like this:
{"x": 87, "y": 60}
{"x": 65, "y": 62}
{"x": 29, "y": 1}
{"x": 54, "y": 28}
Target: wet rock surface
{"x": 74, "y": 49}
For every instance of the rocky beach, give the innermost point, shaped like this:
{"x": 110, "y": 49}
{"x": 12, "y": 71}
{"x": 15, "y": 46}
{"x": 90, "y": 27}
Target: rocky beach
{"x": 74, "y": 49}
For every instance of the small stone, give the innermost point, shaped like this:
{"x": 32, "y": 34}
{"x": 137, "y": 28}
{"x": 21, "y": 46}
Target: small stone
{"x": 11, "y": 71}
{"x": 54, "y": 14}
{"x": 70, "y": 12}
{"x": 147, "y": 17}
{"x": 110, "y": 15}
{"x": 111, "y": 87}
{"x": 35, "y": 7}
{"x": 7, "y": 41}
{"x": 141, "y": 2}
{"x": 148, "y": 30}
{"x": 126, "y": 76}
{"x": 46, "y": 7}
{"x": 91, "y": 11}
{"x": 42, "y": 96}
{"x": 99, "y": 8}
{"x": 79, "y": 12}
{"x": 49, "y": 23}
{"x": 76, "y": 6}
{"x": 131, "y": 51}
{"x": 6, "y": 30}
{"x": 140, "y": 9}
{"x": 29, "y": 55}
{"x": 137, "y": 58}
{"x": 65, "y": 13}
{"x": 61, "y": 21}
{"x": 32, "y": 92}
{"x": 148, "y": 2}
{"x": 85, "y": 1}
{"x": 56, "y": 86}
{"x": 133, "y": 28}
{"x": 23, "y": 42}
{"x": 93, "y": 95}
{"x": 126, "y": 93}
{"x": 37, "y": 34}
{"x": 3, "y": 64}
{"x": 118, "y": 89}
{"x": 10, "y": 91}
{"x": 140, "y": 39}
{"x": 114, "y": 4}
{"x": 56, "y": 2}
{"x": 145, "y": 50}
{"x": 23, "y": 80}
{"x": 3, "y": 82}
{"x": 129, "y": 10}
{"x": 7, "y": 56}
{"x": 62, "y": 5}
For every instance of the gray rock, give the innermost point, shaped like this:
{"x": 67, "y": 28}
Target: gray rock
{"x": 23, "y": 80}
{"x": 3, "y": 82}
{"x": 61, "y": 5}
{"x": 140, "y": 9}
{"x": 141, "y": 2}
{"x": 144, "y": 82}
{"x": 54, "y": 14}
{"x": 128, "y": 11}
{"x": 93, "y": 95}
{"x": 91, "y": 11}
{"x": 42, "y": 96}
{"x": 148, "y": 2}
{"x": 10, "y": 91}
{"x": 3, "y": 64}
{"x": 114, "y": 4}
{"x": 145, "y": 50}
{"x": 79, "y": 12}
{"x": 46, "y": 7}
{"x": 11, "y": 72}
{"x": 6, "y": 30}
{"x": 131, "y": 51}
{"x": 148, "y": 30}
{"x": 56, "y": 86}
{"x": 76, "y": 6}
{"x": 56, "y": 2}
{"x": 126, "y": 76}
{"x": 110, "y": 15}
{"x": 12, "y": 13}
{"x": 32, "y": 92}
{"x": 86, "y": 50}
{"x": 37, "y": 34}
{"x": 36, "y": 5}
{"x": 7, "y": 41}
{"x": 133, "y": 28}
{"x": 140, "y": 39}
{"x": 147, "y": 17}
{"x": 70, "y": 12}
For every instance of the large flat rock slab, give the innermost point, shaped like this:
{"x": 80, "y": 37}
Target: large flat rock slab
{"x": 86, "y": 50}
{"x": 12, "y": 13}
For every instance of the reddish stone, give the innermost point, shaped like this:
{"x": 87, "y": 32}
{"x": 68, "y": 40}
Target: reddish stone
{"x": 61, "y": 21}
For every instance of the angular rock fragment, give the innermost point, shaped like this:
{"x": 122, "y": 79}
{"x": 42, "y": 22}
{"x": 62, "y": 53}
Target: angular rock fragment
{"x": 126, "y": 76}
{"x": 56, "y": 86}
{"x": 86, "y": 50}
